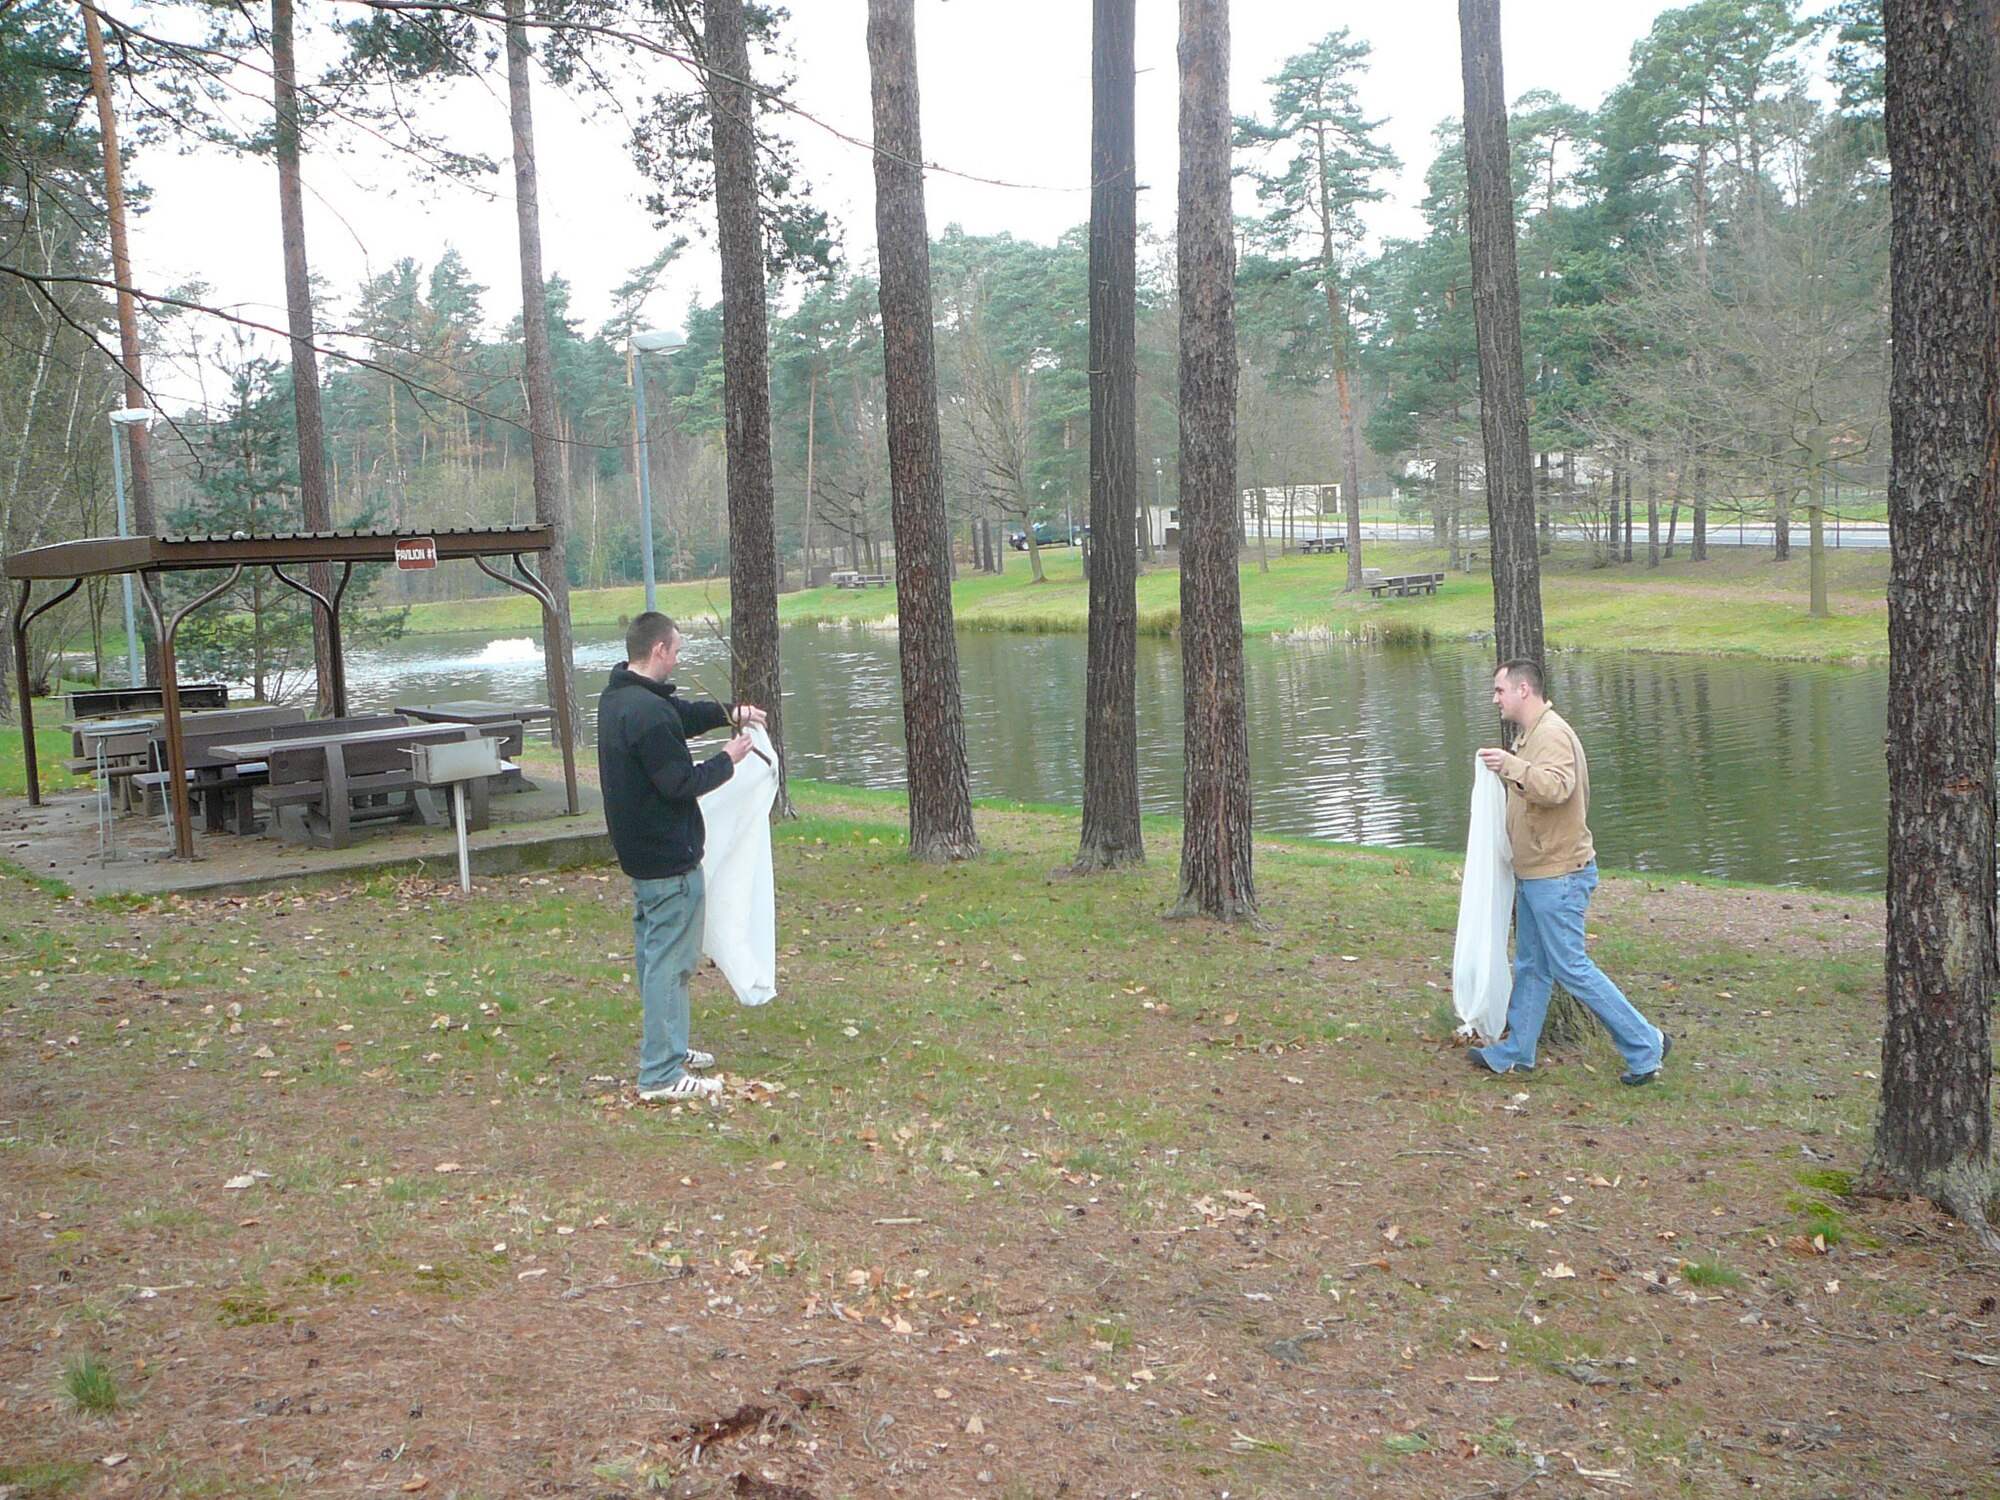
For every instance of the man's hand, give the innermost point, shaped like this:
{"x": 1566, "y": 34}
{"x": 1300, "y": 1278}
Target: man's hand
{"x": 747, "y": 714}
{"x": 1493, "y": 760}
{"x": 738, "y": 747}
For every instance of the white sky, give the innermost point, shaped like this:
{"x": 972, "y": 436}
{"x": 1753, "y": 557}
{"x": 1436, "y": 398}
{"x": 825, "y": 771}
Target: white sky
{"x": 1006, "y": 95}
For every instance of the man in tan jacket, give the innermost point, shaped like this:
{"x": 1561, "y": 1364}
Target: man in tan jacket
{"x": 1555, "y": 870}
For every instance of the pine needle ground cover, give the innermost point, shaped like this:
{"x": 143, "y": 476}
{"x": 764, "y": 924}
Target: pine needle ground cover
{"x": 1017, "y": 1190}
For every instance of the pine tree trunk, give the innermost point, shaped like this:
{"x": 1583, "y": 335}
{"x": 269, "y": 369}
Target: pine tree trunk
{"x": 1503, "y": 392}
{"x": 315, "y": 502}
{"x": 1817, "y": 605}
{"x": 1652, "y": 515}
{"x": 1496, "y": 306}
{"x": 1350, "y": 432}
{"x": 1216, "y": 874}
{"x": 1111, "y": 835}
{"x": 746, "y": 377}
{"x": 1781, "y": 513}
{"x": 1934, "y": 1132}
{"x": 1698, "y": 539}
{"x": 933, "y": 715}
{"x": 551, "y": 491}
{"x": 1627, "y": 556}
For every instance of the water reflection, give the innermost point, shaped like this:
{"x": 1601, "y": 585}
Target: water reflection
{"x": 1756, "y": 771}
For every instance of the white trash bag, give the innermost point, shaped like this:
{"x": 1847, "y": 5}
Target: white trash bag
{"x": 1482, "y": 976}
{"x": 739, "y": 927}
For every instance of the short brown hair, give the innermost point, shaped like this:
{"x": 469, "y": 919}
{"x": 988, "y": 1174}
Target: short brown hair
{"x": 647, "y": 631}
{"x": 1526, "y": 669}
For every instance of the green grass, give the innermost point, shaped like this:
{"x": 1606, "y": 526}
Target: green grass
{"x": 1736, "y": 603}
{"x": 1828, "y": 1180}
{"x": 90, "y": 1385}
{"x": 1710, "y": 1273}
{"x": 52, "y": 751}
{"x": 42, "y": 1481}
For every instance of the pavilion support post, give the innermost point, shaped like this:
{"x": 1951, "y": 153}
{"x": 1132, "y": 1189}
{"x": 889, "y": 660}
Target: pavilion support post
{"x": 557, "y": 658}
{"x": 23, "y": 688}
{"x": 23, "y": 679}
{"x": 334, "y": 690}
{"x": 166, "y": 628}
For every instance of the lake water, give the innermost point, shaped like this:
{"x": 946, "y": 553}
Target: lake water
{"x": 1751, "y": 770}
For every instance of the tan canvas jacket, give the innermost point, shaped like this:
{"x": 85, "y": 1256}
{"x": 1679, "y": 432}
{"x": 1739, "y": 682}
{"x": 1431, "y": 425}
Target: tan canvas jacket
{"x": 1548, "y": 801}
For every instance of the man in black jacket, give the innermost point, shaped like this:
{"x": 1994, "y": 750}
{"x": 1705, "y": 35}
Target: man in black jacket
{"x": 650, "y": 784}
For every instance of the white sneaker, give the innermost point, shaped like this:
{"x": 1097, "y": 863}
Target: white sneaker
{"x": 685, "y": 1087}
{"x": 699, "y": 1060}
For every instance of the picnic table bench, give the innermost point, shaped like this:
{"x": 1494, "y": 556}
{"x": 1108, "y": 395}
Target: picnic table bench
{"x": 1402, "y": 585}
{"x": 1323, "y": 544}
{"x": 323, "y": 790}
{"x": 851, "y": 580}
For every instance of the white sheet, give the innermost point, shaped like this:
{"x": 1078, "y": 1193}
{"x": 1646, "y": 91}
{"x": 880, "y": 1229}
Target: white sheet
{"x": 740, "y": 926}
{"x": 1481, "y": 975}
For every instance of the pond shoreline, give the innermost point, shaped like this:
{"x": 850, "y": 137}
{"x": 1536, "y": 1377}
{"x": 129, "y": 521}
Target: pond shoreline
{"x": 1730, "y": 608}
{"x": 1776, "y": 779}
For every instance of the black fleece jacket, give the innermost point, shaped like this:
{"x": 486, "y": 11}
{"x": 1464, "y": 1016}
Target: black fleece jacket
{"x": 649, "y": 780}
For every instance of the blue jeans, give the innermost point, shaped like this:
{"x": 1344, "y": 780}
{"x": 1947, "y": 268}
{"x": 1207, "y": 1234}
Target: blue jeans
{"x": 1548, "y": 945}
{"x": 666, "y": 932}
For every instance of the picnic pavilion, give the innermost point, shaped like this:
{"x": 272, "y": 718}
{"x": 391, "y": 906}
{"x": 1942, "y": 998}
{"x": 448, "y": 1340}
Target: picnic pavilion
{"x": 148, "y": 557}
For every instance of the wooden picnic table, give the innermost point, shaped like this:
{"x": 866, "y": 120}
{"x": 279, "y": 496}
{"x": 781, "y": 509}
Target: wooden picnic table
{"x": 474, "y": 711}
{"x": 850, "y": 580}
{"x": 223, "y": 785}
{"x": 321, "y": 790}
{"x": 1324, "y": 544}
{"x": 1402, "y": 585}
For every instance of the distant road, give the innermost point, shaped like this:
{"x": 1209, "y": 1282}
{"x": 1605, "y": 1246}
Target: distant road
{"x": 1862, "y": 535}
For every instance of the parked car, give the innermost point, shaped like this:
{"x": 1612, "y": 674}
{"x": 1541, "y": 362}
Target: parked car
{"x": 1048, "y": 534}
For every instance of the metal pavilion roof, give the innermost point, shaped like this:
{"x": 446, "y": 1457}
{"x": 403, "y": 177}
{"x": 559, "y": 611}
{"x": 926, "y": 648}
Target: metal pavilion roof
{"x": 96, "y": 556}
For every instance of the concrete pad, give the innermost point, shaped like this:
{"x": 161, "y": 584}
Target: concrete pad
{"x": 530, "y": 830}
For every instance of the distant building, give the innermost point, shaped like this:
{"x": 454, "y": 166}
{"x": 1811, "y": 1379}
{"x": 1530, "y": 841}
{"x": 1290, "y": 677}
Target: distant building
{"x": 1300, "y": 503}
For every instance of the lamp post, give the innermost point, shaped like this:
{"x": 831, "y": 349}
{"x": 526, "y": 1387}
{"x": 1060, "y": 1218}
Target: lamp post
{"x": 126, "y": 417}
{"x": 1159, "y": 509}
{"x": 650, "y": 342}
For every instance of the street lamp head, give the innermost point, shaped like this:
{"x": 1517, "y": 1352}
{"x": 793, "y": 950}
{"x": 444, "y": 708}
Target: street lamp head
{"x": 132, "y": 416}
{"x": 658, "y": 341}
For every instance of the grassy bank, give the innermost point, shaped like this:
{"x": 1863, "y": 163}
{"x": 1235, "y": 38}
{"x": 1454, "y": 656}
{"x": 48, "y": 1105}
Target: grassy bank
{"x": 1737, "y": 603}
{"x": 1017, "y": 1189}
{"x": 52, "y": 750}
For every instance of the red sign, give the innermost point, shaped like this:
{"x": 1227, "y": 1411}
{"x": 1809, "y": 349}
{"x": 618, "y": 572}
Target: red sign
{"x": 417, "y": 552}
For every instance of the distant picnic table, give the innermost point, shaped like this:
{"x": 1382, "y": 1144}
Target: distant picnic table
{"x": 90, "y": 703}
{"x": 1402, "y": 585}
{"x": 1323, "y": 544}
{"x": 848, "y": 579}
